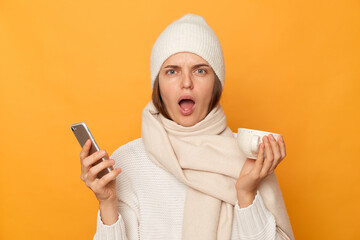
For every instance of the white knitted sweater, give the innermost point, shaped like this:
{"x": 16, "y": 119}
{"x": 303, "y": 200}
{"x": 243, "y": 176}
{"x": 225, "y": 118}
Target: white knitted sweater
{"x": 151, "y": 203}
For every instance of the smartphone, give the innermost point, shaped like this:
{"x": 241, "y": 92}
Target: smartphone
{"x": 82, "y": 134}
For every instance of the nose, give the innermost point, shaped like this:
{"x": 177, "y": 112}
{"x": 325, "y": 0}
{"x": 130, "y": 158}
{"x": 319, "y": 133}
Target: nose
{"x": 187, "y": 81}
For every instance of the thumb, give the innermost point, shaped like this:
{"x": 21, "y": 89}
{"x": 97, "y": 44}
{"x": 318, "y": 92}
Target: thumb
{"x": 248, "y": 166}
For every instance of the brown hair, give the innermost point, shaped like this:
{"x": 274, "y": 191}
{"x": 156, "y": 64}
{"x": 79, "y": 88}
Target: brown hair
{"x": 160, "y": 106}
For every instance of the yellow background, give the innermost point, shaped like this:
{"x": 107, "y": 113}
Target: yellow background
{"x": 292, "y": 67}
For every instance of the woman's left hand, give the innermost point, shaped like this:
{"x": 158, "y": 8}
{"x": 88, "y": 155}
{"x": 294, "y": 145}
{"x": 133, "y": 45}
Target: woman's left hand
{"x": 254, "y": 171}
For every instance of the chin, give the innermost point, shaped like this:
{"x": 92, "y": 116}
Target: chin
{"x": 188, "y": 124}
{"x": 187, "y": 121}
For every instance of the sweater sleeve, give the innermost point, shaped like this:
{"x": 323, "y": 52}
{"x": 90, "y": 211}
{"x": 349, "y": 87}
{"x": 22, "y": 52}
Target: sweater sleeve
{"x": 127, "y": 225}
{"x": 256, "y": 222}
{"x": 119, "y": 230}
{"x": 115, "y": 231}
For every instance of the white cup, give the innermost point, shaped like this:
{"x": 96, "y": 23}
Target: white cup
{"x": 250, "y": 139}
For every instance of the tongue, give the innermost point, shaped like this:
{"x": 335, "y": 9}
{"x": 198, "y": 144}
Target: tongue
{"x": 186, "y": 104}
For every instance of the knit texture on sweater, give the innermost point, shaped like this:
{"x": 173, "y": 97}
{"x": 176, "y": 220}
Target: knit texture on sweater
{"x": 151, "y": 203}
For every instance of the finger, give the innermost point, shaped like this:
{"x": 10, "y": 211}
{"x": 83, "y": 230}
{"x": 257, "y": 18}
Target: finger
{"x": 268, "y": 159}
{"x": 92, "y": 173}
{"x": 282, "y": 147}
{"x": 109, "y": 177}
{"x": 90, "y": 160}
{"x": 85, "y": 150}
{"x": 260, "y": 159}
{"x": 276, "y": 151}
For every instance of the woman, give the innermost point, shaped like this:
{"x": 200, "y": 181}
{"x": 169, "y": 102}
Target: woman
{"x": 186, "y": 177}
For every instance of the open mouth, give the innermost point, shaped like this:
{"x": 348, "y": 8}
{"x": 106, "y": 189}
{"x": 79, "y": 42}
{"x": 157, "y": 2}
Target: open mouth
{"x": 187, "y": 105}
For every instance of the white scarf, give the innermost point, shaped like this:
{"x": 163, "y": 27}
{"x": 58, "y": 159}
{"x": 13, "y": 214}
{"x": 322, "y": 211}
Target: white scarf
{"x": 206, "y": 158}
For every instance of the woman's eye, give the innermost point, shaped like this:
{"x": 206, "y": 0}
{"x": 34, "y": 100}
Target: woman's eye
{"x": 171, "y": 72}
{"x": 201, "y": 71}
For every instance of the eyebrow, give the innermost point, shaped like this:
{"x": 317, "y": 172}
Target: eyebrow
{"x": 195, "y": 66}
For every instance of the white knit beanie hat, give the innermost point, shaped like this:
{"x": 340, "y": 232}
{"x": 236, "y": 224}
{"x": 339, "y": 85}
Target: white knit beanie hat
{"x": 192, "y": 34}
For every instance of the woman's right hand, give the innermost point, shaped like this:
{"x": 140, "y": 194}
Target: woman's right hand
{"x": 105, "y": 187}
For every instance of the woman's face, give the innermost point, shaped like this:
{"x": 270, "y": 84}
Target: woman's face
{"x": 186, "y": 83}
